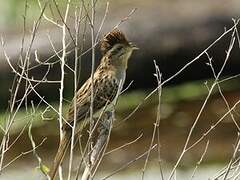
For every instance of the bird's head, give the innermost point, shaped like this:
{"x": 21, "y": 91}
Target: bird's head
{"x": 116, "y": 49}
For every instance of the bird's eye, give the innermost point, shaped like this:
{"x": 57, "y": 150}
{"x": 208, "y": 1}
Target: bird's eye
{"x": 119, "y": 48}
{"x": 116, "y": 50}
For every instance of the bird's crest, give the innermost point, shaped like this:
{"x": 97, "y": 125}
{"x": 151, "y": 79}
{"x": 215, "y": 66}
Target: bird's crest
{"x": 112, "y": 38}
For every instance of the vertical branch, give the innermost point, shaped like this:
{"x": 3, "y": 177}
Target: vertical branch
{"x": 94, "y": 39}
{"x": 200, "y": 160}
{"x": 41, "y": 166}
{"x": 77, "y": 26}
{"x": 92, "y": 72}
{"x": 64, "y": 28}
{"x": 93, "y": 61}
{"x": 157, "y": 122}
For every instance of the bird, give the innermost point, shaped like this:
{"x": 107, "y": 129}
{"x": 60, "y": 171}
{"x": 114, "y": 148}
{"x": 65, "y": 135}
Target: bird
{"x": 107, "y": 81}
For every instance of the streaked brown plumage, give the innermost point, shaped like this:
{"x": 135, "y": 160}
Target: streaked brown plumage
{"x": 108, "y": 78}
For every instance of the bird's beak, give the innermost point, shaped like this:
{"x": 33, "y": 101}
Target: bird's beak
{"x": 133, "y": 46}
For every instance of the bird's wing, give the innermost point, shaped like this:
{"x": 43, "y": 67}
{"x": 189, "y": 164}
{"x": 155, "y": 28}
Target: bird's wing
{"x": 83, "y": 102}
{"x": 104, "y": 93}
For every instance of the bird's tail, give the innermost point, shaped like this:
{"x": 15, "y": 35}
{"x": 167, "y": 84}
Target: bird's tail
{"x": 60, "y": 153}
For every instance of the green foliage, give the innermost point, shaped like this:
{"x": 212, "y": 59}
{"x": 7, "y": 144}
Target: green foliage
{"x": 127, "y": 101}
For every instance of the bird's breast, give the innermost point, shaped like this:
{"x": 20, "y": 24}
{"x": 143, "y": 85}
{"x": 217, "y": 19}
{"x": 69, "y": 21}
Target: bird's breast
{"x": 121, "y": 76}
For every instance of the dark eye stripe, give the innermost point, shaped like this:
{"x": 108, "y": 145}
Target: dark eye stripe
{"x": 116, "y": 50}
{"x": 119, "y": 48}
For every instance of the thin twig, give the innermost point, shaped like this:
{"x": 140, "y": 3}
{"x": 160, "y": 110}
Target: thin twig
{"x": 129, "y": 163}
{"x": 200, "y": 160}
{"x": 157, "y": 122}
